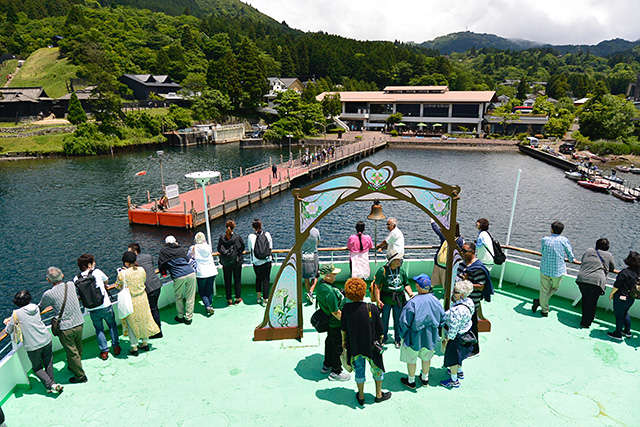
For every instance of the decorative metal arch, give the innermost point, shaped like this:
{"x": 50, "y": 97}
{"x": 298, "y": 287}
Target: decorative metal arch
{"x": 283, "y": 316}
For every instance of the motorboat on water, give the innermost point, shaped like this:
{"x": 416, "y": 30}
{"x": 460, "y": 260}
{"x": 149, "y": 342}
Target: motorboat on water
{"x": 597, "y": 185}
{"x": 634, "y": 170}
{"x": 573, "y": 175}
{"x": 624, "y": 169}
{"x": 624, "y": 195}
{"x": 614, "y": 178}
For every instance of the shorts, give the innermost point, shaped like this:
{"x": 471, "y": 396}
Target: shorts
{"x": 358, "y": 364}
{"x": 409, "y": 355}
{"x": 310, "y": 264}
{"x": 438, "y": 276}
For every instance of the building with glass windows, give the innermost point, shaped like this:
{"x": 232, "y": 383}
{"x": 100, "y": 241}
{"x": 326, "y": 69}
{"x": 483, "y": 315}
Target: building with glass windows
{"x": 425, "y": 109}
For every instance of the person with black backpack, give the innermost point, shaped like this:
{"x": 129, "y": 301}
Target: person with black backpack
{"x": 231, "y": 248}
{"x": 484, "y": 243}
{"x": 260, "y": 247}
{"x": 95, "y": 299}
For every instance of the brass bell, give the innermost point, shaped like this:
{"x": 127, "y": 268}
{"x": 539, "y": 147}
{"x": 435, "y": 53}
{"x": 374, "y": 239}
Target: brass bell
{"x": 376, "y": 211}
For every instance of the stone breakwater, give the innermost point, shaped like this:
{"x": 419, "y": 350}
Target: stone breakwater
{"x": 20, "y": 132}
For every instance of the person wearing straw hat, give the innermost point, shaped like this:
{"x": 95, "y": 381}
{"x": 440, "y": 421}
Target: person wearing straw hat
{"x": 330, "y": 300}
{"x": 419, "y": 322}
{"x": 389, "y": 286}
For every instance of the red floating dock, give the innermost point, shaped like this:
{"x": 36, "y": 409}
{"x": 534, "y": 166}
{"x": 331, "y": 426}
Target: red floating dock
{"x": 188, "y": 210}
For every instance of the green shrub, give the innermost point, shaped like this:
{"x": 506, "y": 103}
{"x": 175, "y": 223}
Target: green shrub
{"x": 393, "y": 133}
{"x": 358, "y": 137}
{"x": 143, "y": 120}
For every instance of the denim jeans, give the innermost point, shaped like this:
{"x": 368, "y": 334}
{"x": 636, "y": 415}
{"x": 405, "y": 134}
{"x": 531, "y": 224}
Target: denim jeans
{"x": 386, "y": 309}
{"x": 106, "y": 314}
{"x": 621, "y": 311}
{"x": 358, "y": 364}
{"x": 205, "y": 289}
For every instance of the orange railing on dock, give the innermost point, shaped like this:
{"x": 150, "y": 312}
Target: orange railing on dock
{"x": 234, "y": 194}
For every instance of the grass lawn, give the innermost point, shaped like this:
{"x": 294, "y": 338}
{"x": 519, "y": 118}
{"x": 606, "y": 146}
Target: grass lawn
{"x": 7, "y": 68}
{"x": 40, "y": 143}
{"x": 45, "y": 69}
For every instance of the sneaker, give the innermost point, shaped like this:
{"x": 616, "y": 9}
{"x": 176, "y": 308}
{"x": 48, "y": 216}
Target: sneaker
{"x": 342, "y": 376}
{"x": 424, "y": 382}
{"x": 325, "y": 369}
{"x": 179, "y": 319}
{"x": 398, "y": 345}
{"x": 237, "y": 301}
{"x": 259, "y": 301}
{"x": 405, "y": 381}
{"x": 309, "y": 297}
{"x": 460, "y": 374}
{"x": 544, "y": 314}
{"x": 386, "y": 395}
{"x": 229, "y": 302}
{"x": 104, "y": 355}
{"x": 55, "y": 388}
{"x": 210, "y": 311}
{"x": 144, "y": 347}
{"x": 187, "y": 321}
{"x": 614, "y": 336}
{"x": 117, "y": 350}
{"x": 133, "y": 352}
{"x": 536, "y": 304}
{"x": 449, "y": 383}
{"x": 626, "y": 334}
{"x": 264, "y": 302}
{"x": 75, "y": 380}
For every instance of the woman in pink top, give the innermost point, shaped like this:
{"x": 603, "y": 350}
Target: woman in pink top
{"x": 359, "y": 245}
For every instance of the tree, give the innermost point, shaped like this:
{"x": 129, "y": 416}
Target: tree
{"x": 331, "y": 105}
{"x": 210, "y": 105}
{"x": 607, "y": 117}
{"x": 523, "y": 87}
{"x": 506, "y": 115}
{"x": 394, "y": 118}
{"x": 75, "y": 113}
{"x": 251, "y": 73}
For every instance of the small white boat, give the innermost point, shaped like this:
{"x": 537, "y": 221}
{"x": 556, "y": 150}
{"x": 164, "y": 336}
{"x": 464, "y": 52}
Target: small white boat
{"x": 634, "y": 170}
{"x": 614, "y": 178}
{"x": 573, "y": 175}
{"x": 622, "y": 169}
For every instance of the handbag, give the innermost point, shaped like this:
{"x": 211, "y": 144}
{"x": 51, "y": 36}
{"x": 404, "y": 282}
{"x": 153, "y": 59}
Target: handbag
{"x": 344, "y": 360}
{"x": 468, "y": 338}
{"x": 17, "y": 334}
{"x": 320, "y": 321}
{"x": 55, "y": 322}
{"x": 125, "y": 302}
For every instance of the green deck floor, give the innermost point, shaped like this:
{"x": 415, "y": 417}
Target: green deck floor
{"x": 531, "y": 371}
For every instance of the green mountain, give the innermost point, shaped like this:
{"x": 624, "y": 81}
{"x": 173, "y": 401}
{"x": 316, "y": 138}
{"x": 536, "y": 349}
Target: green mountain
{"x": 463, "y": 41}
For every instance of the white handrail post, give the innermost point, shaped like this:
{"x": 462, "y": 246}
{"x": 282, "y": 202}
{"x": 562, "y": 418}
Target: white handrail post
{"x": 513, "y": 210}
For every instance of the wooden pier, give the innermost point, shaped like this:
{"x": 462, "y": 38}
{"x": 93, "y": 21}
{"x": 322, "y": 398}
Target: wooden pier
{"x": 187, "y": 210}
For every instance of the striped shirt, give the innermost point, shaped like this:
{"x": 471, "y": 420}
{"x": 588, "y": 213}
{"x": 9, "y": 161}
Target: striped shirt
{"x": 54, "y": 297}
{"x": 475, "y": 276}
{"x": 554, "y": 249}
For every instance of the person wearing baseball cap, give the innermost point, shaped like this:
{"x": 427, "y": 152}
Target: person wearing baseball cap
{"x": 331, "y": 301}
{"x": 419, "y": 322}
{"x": 389, "y": 286}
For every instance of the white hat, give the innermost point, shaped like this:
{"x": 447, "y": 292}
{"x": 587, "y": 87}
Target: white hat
{"x": 170, "y": 239}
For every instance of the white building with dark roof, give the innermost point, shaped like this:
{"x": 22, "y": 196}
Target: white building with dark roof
{"x": 429, "y": 106}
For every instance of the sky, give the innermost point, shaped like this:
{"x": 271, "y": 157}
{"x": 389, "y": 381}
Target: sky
{"x": 545, "y": 21}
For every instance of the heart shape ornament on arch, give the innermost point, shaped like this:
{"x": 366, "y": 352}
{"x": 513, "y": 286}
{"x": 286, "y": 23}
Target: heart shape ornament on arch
{"x": 377, "y": 179}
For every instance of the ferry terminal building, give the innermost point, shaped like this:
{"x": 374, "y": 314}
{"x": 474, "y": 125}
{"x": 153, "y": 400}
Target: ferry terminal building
{"x": 433, "y": 107}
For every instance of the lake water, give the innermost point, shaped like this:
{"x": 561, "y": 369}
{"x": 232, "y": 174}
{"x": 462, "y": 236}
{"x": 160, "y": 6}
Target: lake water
{"x": 51, "y": 211}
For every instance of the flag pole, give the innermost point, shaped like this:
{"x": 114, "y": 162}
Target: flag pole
{"x": 513, "y": 210}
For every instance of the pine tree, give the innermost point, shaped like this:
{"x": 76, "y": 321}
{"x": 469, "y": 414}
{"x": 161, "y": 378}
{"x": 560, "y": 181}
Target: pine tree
{"x": 75, "y": 112}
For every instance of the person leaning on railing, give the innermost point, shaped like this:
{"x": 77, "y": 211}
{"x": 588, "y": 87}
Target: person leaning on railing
{"x": 36, "y": 339}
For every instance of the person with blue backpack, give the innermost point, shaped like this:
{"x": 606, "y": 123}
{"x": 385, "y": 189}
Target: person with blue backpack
{"x": 260, "y": 247}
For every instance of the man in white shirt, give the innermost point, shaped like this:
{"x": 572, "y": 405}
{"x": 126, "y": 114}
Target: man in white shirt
{"x": 394, "y": 242}
{"x": 104, "y": 312}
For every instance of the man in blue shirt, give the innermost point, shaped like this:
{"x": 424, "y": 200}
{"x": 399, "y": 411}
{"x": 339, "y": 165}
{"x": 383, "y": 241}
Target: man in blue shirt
{"x": 552, "y": 267}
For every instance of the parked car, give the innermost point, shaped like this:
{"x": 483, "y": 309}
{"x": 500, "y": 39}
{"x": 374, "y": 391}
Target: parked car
{"x": 567, "y": 148}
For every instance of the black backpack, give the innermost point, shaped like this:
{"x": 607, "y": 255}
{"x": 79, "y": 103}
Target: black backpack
{"x": 90, "y": 294}
{"x": 229, "y": 254}
{"x": 261, "y": 249}
{"x": 498, "y": 256}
